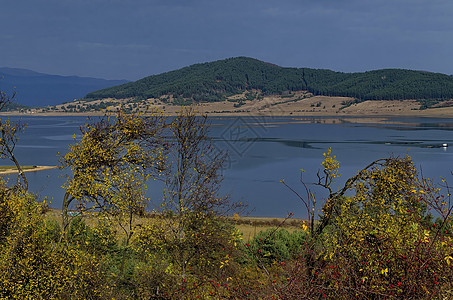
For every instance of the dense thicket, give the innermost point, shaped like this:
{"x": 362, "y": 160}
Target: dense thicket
{"x": 215, "y": 81}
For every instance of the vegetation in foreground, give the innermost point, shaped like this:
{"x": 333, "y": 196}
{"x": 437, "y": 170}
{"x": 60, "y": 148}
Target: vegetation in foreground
{"x": 375, "y": 239}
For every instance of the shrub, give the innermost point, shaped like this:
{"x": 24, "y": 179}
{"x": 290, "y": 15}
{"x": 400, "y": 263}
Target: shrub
{"x": 378, "y": 242}
{"x": 275, "y": 245}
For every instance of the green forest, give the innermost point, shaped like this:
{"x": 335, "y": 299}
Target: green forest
{"x": 214, "y": 81}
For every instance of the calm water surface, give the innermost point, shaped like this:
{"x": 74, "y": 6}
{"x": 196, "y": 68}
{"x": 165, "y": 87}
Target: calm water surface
{"x": 264, "y": 151}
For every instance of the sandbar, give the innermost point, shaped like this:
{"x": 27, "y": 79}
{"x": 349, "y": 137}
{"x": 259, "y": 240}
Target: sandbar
{"x": 13, "y": 169}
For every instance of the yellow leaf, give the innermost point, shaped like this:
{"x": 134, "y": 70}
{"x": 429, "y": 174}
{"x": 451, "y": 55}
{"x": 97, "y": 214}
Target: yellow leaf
{"x": 304, "y": 226}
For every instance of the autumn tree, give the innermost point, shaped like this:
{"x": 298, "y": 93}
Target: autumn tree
{"x": 375, "y": 238}
{"x": 31, "y": 266}
{"x": 189, "y": 237}
{"x": 384, "y": 236}
{"x": 110, "y": 166}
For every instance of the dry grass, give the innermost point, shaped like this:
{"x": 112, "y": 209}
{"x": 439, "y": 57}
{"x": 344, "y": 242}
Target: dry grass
{"x": 247, "y": 226}
{"x": 300, "y": 103}
{"x": 250, "y": 226}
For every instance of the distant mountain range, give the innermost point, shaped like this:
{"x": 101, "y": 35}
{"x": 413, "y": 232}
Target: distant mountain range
{"x": 37, "y": 89}
{"x": 215, "y": 81}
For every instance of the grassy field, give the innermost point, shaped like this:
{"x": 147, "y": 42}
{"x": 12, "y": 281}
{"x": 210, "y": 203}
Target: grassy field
{"x": 248, "y": 226}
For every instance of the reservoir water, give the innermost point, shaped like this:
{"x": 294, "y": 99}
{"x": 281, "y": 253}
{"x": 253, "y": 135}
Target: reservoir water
{"x": 265, "y": 150}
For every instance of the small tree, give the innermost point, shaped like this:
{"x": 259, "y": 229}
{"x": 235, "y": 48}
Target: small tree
{"x": 110, "y": 165}
{"x": 9, "y": 136}
{"x": 192, "y": 178}
{"x": 190, "y": 237}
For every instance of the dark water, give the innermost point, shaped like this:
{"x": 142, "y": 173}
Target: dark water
{"x": 264, "y": 151}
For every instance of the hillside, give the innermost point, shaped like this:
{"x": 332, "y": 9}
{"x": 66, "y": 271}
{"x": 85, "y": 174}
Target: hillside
{"x": 38, "y": 89}
{"x": 216, "y": 81}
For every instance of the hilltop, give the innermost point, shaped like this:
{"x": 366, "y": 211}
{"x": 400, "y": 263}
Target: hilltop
{"x": 216, "y": 81}
{"x": 246, "y": 85}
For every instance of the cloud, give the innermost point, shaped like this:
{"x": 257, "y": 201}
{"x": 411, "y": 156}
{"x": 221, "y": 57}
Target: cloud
{"x": 163, "y": 34}
{"x": 88, "y": 46}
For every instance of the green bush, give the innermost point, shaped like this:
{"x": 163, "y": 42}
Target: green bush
{"x": 53, "y": 230}
{"x": 276, "y": 245}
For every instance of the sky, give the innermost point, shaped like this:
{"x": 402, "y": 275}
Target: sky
{"x": 131, "y": 39}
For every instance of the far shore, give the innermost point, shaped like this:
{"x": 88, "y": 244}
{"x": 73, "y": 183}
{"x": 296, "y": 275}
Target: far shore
{"x": 276, "y": 106}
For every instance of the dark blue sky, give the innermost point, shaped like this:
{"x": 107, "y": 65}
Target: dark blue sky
{"x": 130, "y": 39}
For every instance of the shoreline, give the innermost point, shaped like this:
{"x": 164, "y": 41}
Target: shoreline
{"x": 271, "y": 106}
{"x": 425, "y": 114}
{"x": 13, "y": 170}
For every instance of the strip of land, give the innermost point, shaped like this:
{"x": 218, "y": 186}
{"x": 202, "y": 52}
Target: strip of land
{"x": 298, "y": 104}
{"x": 12, "y": 169}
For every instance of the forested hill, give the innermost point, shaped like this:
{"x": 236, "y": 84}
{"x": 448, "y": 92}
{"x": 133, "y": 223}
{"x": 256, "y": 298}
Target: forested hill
{"x": 214, "y": 81}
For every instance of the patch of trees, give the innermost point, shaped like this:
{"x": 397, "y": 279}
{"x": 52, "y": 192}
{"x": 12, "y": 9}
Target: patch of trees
{"x": 387, "y": 84}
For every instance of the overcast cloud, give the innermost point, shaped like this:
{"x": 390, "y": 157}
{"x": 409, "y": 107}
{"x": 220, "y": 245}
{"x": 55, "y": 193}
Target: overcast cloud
{"x": 116, "y": 39}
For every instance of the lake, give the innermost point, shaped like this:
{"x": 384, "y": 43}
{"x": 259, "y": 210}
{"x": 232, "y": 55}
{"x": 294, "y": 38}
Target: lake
{"x": 265, "y": 150}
